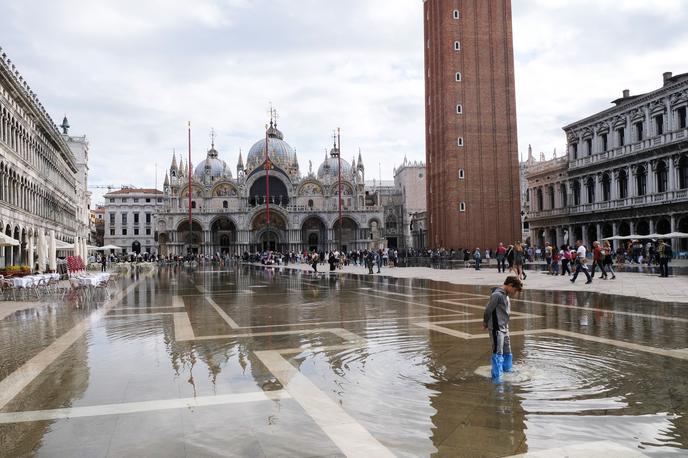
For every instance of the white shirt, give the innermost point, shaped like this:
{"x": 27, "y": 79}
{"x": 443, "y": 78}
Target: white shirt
{"x": 581, "y": 252}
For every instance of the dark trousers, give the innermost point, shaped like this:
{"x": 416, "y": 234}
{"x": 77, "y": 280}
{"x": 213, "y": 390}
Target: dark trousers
{"x": 501, "y": 264}
{"x": 663, "y": 267}
{"x": 581, "y": 268}
{"x": 565, "y": 267}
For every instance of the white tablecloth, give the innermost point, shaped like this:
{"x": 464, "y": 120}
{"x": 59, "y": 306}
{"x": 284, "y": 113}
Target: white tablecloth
{"x": 93, "y": 280}
{"x": 31, "y": 280}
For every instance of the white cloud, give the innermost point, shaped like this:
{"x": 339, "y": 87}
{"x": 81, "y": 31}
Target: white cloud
{"x": 130, "y": 73}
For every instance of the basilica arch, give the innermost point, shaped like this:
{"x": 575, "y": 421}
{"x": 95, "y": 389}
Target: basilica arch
{"x": 273, "y": 237}
{"x": 349, "y": 233}
{"x": 279, "y": 195}
{"x": 223, "y": 236}
{"x": 314, "y": 234}
{"x": 191, "y": 237}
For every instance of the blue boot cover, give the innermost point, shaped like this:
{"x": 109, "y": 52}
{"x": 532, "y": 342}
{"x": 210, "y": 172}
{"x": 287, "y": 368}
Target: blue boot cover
{"x": 508, "y": 362}
{"x": 497, "y": 362}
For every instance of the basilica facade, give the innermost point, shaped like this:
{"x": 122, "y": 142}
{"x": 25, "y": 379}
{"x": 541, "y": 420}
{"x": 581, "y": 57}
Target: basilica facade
{"x": 268, "y": 204}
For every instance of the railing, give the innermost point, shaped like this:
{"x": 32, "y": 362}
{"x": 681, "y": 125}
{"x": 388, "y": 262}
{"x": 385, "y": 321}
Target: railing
{"x": 650, "y": 199}
{"x": 625, "y": 150}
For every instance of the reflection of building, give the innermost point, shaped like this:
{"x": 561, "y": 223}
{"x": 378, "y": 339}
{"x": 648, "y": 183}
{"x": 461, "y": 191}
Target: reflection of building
{"x": 470, "y": 106}
{"x": 98, "y": 225}
{"x": 129, "y": 214}
{"x": 626, "y": 172}
{"x": 39, "y": 175}
{"x": 229, "y": 214}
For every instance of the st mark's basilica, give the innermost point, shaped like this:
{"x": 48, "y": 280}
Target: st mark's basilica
{"x": 229, "y": 213}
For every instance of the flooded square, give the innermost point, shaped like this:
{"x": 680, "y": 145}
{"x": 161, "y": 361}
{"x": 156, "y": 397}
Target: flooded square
{"x": 249, "y": 361}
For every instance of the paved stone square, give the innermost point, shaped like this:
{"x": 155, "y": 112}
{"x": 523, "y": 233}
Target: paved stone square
{"x": 253, "y": 361}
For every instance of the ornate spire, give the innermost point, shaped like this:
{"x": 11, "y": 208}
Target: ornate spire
{"x": 65, "y": 125}
{"x": 360, "y": 160}
{"x": 530, "y": 154}
{"x": 174, "y": 161}
{"x": 240, "y": 162}
{"x": 167, "y": 180}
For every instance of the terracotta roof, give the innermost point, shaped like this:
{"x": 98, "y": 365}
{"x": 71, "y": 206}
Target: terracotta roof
{"x": 135, "y": 191}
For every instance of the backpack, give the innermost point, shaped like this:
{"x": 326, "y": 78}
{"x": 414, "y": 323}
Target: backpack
{"x": 668, "y": 252}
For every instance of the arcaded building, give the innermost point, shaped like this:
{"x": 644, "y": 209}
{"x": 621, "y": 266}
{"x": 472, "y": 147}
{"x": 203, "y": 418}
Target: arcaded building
{"x": 471, "y": 140}
{"x": 626, "y": 172}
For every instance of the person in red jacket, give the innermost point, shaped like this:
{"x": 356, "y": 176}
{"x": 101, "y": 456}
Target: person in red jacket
{"x": 597, "y": 255}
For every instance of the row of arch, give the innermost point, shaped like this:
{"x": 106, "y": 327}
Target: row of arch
{"x": 20, "y": 254}
{"x": 34, "y": 148}
{"x": 662, "y": 182}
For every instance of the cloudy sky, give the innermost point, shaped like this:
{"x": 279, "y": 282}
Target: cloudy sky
{"x": 130, "y": 73}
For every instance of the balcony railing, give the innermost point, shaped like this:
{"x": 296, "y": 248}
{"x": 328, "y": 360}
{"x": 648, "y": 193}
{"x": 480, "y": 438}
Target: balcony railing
{"x": 650, "y": 199}
{"x": 653, "y": 142}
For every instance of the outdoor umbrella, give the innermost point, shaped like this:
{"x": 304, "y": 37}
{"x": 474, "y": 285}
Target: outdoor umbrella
{"x": 52, "y": 261}
{"x": 6, "y": 240}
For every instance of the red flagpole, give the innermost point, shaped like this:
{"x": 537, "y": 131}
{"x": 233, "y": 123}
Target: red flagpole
{"x": 339, "y": 169}
{"x": 267, "y": 184}
{"x": 190, "y": 189}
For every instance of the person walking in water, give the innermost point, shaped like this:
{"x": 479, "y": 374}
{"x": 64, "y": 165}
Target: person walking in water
{"x": 496, "y": 321}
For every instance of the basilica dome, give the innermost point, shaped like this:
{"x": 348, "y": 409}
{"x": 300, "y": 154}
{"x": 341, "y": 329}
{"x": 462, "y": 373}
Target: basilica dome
{"x": 330, "y": 168}
{"x": 281, "y": 154}
{"x": 212, "y": 166}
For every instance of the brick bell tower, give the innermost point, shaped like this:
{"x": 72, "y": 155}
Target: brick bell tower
{"x": 473, "y": 197}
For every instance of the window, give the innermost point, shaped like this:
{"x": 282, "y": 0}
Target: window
{"x": 459, "y": 141}
{"x": 459, "y": 109}
{"x": 681, "y": 115}
{"x": 623, "y": 184}
{"x": 193, "y": 204}
{"x": 576, "y": 192}
{"x": 457, "y": 46}
{"x": 604, "y": 141}
{"x": 159, "y": 199}
{"x": 225, "y": 204}
{"x": 462, "y": 206}
{"x": 621, "y": 136}
{"x": 456, "y": 14}
{"x": 550, "y": 192}
{"x": 148, "y": 231}
{"x": 310, "y": 203}
{"x": 458, "y": 76}
{"x": 124, "y": 231}
{"x": 136, "y": 231}
{"x": 112, "y": 219}
{"x": 147, "y": 200}
{"x": 112, "y": 231}
{"x": 590, "y": 186}
{"x": 659, "y": 124}
{"x": 112, "y": 201}
{"x": 540, "y": 203}
{"x": 136, "y": 218}
{"x": 574, "y": 150}
{"x": 148, "y": 218}
{"x": 588, "y": 146}
{"x": 641, "y": 181}
{"x": 683, "y": 173}
{"x": 136, "y": 200}
{"x": 124, "y": 200}
{"x": 564, "y": 197}
{"x": 124, "y": 218}
{"x": 662, "y": 177}
{"x": 606, "y": 188}
{"x": 638, "y": 131}
{"x": 462, "y": 174}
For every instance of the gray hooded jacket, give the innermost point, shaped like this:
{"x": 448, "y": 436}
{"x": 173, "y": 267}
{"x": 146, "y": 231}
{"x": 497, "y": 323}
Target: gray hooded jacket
{"x": 497, "y": 311}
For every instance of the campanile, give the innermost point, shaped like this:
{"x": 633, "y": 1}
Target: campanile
{"x": 473, "y": 197}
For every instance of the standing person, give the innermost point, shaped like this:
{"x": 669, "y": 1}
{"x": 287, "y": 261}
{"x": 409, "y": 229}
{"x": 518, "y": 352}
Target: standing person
{"x": 510, "y": 258}
{"x": 496, "y": 320}
{"x": 477, "y": 258}
{"x": 370, "y": 260}
{"x": 581, "y": 260}
{"x": 103, "y": 263}
{"x": 597, "y": 255}
{"x": 565, "y": 255}
{"x": 519, "y": 259}
{"x": 332, "y": 260}
{"x": 314, "y": 261}
{"x": 665, "y": 255}
{"x": 608, "y": 262}
{"x": 548, "y": 258}
{"x": 501, "y": 258}
{"x": 379, "y": 260}
{"x": 555, "y": 261}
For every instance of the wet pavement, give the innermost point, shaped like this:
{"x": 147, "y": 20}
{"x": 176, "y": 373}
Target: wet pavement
{"x": 259, "y": 362}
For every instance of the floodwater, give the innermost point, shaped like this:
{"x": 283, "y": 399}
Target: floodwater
{"x": 249, "y": 361}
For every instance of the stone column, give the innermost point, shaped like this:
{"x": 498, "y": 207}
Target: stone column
{"x": 650, "y": 185}
{"x": 631, "y": 224}
{"x": 586, "y": 242}
{"x": 614, "y": 185}
{"x": 598, "y": 188}
{"x": 674, "y": 242}
{"x": 632, "y": 182}
{"x": 671, "y": 175}
{"x": 652, "y": 225}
